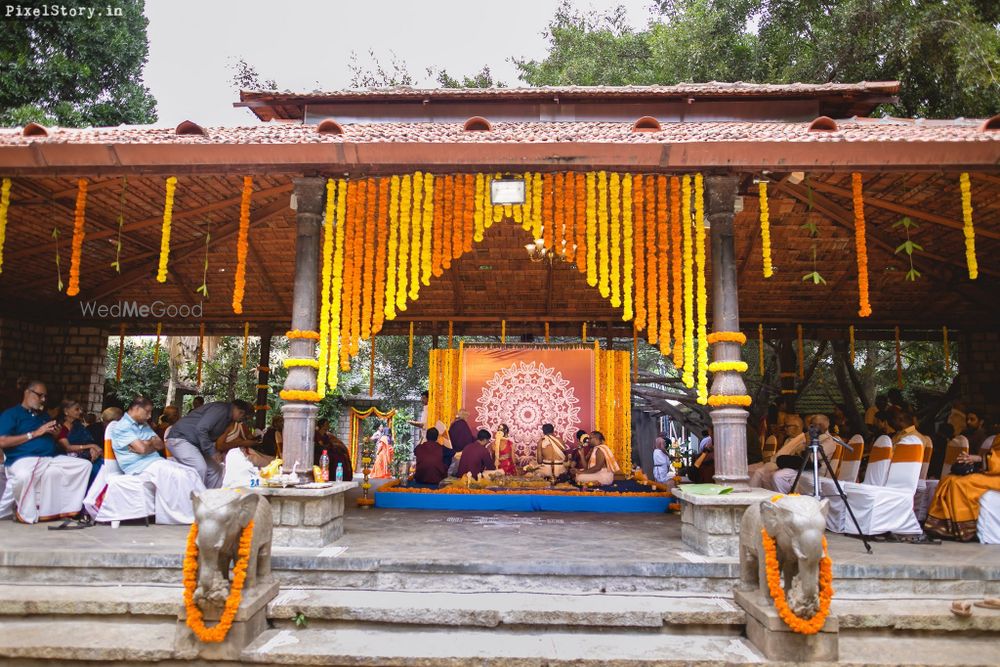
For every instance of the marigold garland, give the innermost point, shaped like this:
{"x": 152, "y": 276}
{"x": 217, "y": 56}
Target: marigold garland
{"x": 727, "y": 337}
{"x": 417, "y": 224}
{"x": 409, "y": 348}
{"x": 699, "y": 256}
{"x": 765, "y": 229}
{"x": 583, "y": 333}
{"x": 615, "y": 223}
{"x": 405, "y": 203}
{"x": 676, "y": 270}
{"x": 591, "y": 229}
{"x": 428, "y": 218}
{"x": 393, "y": 251}
{"x": 569, "y": 214}
{"x": 537, "y": 192}
{"x": 451, "y": 196}
{"x": 4, "y": 205}
{"x": 580, "y": 215}
{"x": 638, "y": 204}
{"x": 168, "y": 210}
{"x": 301, "y": 363}
{"x": 627, "y": 252}
{"x": 548, "y": 223}
{"x": 350, "y": 268}
{"x": 326, "y": 279}
{"x": 358, "y": 277}
{"x": 663, "y": 278}
{"x": 800, "y": 352}
{"x": 558, "y": 209}
{"x": 369, "y": 240}
{"x": 195, "y": 619}
{"x": 480, "y": 210}
{"x": 760, "y": 347}
{"x": 334, "y": 352}
{"x": 689, "y": 350}
{"x": 382, "y": 231}
{"x": 653, "y": 285}
{"x": 604, "y": 266}
{"x": 78, "y": 233}
{"x": 242, "y": 245}
{"x": 860, "y": 245}
{"x": 899, "y": 360}
{"x": 156, "y": 345}
{"x": 724, "y": 366}
{"x": 802, "y": 626}
{"x": 503, "y": 332}
{"x": 466, "y": 231}
{"x": 968, "y": 230}
{"x": 850, "y": 336}
{"x": 121, "y": 352}
{"x": 300, "y": 334}
{"x": 438, "y": 225}
{"x": 371, "y": 369}
{"x": 719, "y": 400}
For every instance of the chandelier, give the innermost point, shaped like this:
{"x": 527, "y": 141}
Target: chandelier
{"x": 537, "y": 252}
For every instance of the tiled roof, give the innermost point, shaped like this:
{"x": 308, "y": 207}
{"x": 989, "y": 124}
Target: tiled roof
{"x": 853, "y": 130}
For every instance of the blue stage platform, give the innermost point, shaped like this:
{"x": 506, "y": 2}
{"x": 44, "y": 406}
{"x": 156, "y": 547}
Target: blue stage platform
{"x": 520, "y": 501}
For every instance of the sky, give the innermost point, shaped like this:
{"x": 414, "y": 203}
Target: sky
{"x": 306, "y": 45}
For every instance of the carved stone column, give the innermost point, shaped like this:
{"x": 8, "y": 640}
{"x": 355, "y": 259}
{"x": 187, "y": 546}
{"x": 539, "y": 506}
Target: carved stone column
{"x": 300, "y": 416}
{"x": 729, "y": 423}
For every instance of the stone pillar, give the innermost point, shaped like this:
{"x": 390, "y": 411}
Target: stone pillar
{"x": 300, "y": 416}
{"x": 729, "y": 423}
{"x": 263, "y": 374}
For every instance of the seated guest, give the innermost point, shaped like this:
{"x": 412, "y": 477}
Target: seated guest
{"x": 45, "y": 485}
{"x": 430, "y": 467}
{"x": 476, "y": 456}
{"x": 237, "y": 436}
{"x": 167, "y": 419}
{"x": 108, "y": 415}
{"x": 74, "y": 438}
{"x": 503, "y": 451}
{"x": 137, "y": 448}
{"x": 662, "y": 470}
{"x": 270, "y": 442}
{"x": 577, "y": 452}
{"x": 192, "y": 439}
{"x": 975, "y": 429}
{"x": 954, "y": 511}
{"x": 550, "y": 456}
{"x": 881, "y": 403}
{"x": 460, "y": 434}
{"x": 602, "y": 466}
{"x": 784, "y": 476}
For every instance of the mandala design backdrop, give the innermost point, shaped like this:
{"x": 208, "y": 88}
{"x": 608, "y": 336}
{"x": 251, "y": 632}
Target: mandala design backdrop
{"x": 525, "y": 388}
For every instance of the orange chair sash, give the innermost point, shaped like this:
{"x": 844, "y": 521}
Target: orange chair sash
{"x": 908, "y": 454}
{"x": 880, "y": 454}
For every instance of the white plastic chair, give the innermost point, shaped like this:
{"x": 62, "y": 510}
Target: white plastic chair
{"x": 878, "y": 461}
{"x": 889, "y": 508}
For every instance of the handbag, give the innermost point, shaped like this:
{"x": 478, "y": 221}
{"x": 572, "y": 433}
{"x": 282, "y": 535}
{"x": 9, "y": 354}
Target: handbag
{"x": 963, "y": 468}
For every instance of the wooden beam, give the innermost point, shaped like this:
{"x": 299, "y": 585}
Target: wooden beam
{"x": 265, "y": 275}
{"x": 49, "y": 197}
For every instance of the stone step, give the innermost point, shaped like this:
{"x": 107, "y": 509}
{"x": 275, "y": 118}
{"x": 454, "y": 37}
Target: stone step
{"x": 524, "y": 648}
{"x": 491, "y": 610}
{"x": 957, "y": 649}
{"x": 910, "y": 615}
{"x": 89, "y": 600}
{"x": 90, "y": 639}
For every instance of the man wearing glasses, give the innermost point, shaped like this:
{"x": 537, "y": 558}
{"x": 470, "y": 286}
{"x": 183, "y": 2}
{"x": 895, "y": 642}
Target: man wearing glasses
{"x": 46, "y": 486}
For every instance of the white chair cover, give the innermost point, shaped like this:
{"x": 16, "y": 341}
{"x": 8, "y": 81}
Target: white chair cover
{"x": 925, "y": 494}
{"x": 988, "y": 524}
{"x": 956, "y": 446}
{"x": 878, "y": 461}
{"x": 836, "y": 517}
{"x": 850, "y": 463}
{"x": 6, "y": 495}
{"x": 984, "y": 449}
{"x": 115, "y": 496}
{"x": 889, "y": 509}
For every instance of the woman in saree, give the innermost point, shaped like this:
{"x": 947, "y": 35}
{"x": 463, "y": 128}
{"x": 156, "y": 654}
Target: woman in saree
{"x": 955, "y": 509}
{"x": 503, "y": 451}
{"x": 383, "y": 453}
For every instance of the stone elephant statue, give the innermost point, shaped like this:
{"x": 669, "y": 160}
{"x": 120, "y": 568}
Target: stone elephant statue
{"x": 797, "y": 525}
{"x": 221, "y": 516}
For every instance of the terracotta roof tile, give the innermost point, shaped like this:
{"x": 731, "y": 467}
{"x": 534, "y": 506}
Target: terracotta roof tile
{"x": 852, "y": 130}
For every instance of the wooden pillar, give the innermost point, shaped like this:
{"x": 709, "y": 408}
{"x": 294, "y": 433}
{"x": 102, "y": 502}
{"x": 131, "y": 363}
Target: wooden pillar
{"x": 300, "y": 416}
{"x": 263, "y": 375}
{"x": 788, "y": 365}
{"x": 729, "y": 423}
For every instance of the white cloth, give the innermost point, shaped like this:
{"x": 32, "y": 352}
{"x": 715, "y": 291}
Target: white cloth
{"x": 836, "y": 517}
{"x": 661, "y": 467}
{"x": 988, "y": 524}
{"x": 48, "y": 487}
{"x": 889, "y": 508}
{"x": 6, "y": 495}
{"x": 878, "y": 472}
{"x": 850, "y": 462}
{"x": 239, "y": 471}
{"x": 782, "y": 480}
{"x": 162, "y": 490}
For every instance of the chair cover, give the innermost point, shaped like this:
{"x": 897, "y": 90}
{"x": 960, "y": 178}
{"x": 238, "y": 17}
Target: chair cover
{"x": 115, "y": 496}
{"x": 925, "y": 494}
{"x": 6, "y": 495}
{"x": 988, "y": 524}
{"x": 956, "y": 446}
{"x": 889, "y": 508}
{"x": 878, "y": 461}
{"x": 850, "y": 463}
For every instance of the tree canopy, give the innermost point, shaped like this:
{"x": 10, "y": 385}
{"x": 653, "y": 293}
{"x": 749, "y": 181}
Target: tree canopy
{"x": 946, "y": 55}
{"x": 76, "y": 72}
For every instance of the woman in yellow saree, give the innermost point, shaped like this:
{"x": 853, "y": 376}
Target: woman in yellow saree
{"x": 955, "y": 508}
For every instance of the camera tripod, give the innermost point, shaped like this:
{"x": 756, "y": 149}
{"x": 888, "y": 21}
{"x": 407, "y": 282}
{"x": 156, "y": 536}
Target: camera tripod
{"x": 812, "y": 459}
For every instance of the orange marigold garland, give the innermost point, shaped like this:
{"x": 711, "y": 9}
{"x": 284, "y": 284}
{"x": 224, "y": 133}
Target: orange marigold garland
{"x": 195, "y": 619}
{"x": 675, "y": 268}
{"x": 367, "y": 306}
{"x": 359, "y": 266}
{"x": 78, "y": 233}
{"x": 382, "y": 229}
{"x": 653, "y": 284}
{"x": 350, "y": 266}
{"x": 168, "y": 211}
{"x": 663, "y": 280}
{"x": 438, "y": 227}
{"x": 627, "y": 238}
{"x": 688, "y": 376}
{"x": 850, "y": 337}
{"x": 614, "y": 201}
{"x": 242, "y": 245}
{"x": 861, "y": 246}
{"x": 467, "y": 233}
{"x": 804, "y": 626}
{"x": 558, "y": 206}
{"x": 580, "y": 215}
{"x": 765, "y": 229}
{"x": 638, "y": 203}
{"x": 569, "y": 214}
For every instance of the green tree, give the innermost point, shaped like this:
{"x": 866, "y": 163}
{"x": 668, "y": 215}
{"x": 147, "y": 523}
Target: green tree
{"x": 946, "y": 55}
{"x": 481, "y": 79}
{"x": 76, "y": 72}
{"x": 140, "y": 376}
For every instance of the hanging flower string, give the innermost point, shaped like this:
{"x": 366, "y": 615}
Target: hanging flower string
{"x": 168, "y": 211}
{"x": 78, "y": 233}
{"x": 4, "y": 205}
{"x": 156, "y": 345}
{"x": 765, "y": 229}
{"x": 653, "y": 286}
{"x": 666, "y": 328}
{"x": 246, "y": 343}
{"x": 117, "y": 264}
{"x": 760, "y": 347}
{"x": 860, "y": 245}
{"x": 968, "y": 230}
{"x": 242, "y": 245}
{"x": 121, "y": 352}
{"x": 800, "y": 352}
{"x": 699, "y": 236}
{"x": 850, "y": 335}
{"x": 688, "y": 375}
{"x": 325, "y": 289}
{"x": 409, "y": 349}
{"x": 676, "y": 266}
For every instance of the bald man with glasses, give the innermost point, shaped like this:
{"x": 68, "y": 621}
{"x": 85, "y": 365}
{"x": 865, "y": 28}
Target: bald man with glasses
{"x": 46, "y": 485}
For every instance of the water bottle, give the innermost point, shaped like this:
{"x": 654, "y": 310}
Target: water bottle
{"x": 340, "y": 472}
{"x": 324, "y": 466}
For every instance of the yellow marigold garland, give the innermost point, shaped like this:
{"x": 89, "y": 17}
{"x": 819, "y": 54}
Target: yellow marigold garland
{"x": 195, "y": 619}
{"x": 417, "y": 226}
{"x": 614, "y": 201}
{"x": 438, "y": 225}
{"x": 802, "y": 626}
{"x": 968, "y": 230}
{"x": 592, "y": 229}
{"x": 850, "y": 335}
{"x": 663, "y": 279}
{"x": 727, "y": 337}
{"x": 242, "y": 245}
{"x": 569, "y": 214}
{"x": 723, "y": 366}
{"x": 168, "y": 209}
{"x": 676, "y": 267}
{"x": 405, "y": 202}
{"x": 604, "y": 277}
{"x": 78, "y": 233}
{"x": 409, "y": 348}
{"x": 503, "y": 332}
{"x": 699, "y": 256}
{"x": 537, "y": 191}
{"x": 548, "y": 224}
{"x": 628, "y": 269}
{"x": 689, "y": 350}
{"x": 719, "y": 400}
{"x": 337, "y": 287}
{"x": 653, "y": 286}
{"x": 301, "y": 363}
{"x": 299, "y": 333}
{"x": 480, "y": 210}
{"x": 765, "y": 229}
{"x": 246, "y": 343}
{"x": 156, "y": 345}
{"x": 638, "y": 203}
{"x": 466, "y": 230}
{"x": 861, "y": 246}
{"x": 558, "y": 208}
{"x": 326, "y": 278}
{"x": 304, "y": 395}
{"x": 393, "y": 254}
{"x": 451, "y": 218}
{"x": 4, "y": 205}
{"x": 583, "y": 333}
{"x": 428, "y": 217}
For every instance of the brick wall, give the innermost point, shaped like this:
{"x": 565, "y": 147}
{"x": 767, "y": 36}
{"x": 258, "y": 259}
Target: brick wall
{"x": 979, "y": 362}
{"x": 68, "y": 358}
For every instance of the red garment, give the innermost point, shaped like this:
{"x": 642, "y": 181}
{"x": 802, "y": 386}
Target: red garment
{"x": 506, "y": 457}
{"x": 475, "y": 459}
{"x": 430, "y": 463}
{"x": 460, "y": 434}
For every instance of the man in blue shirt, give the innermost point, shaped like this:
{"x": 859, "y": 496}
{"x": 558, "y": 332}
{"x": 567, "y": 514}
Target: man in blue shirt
{"x": 137, "y": 451}
{"x": 46, "y": 486}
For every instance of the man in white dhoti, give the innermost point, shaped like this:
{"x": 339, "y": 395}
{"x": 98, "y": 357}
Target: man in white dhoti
{"x": 550, "y": 457}
{"x": 45, "y": 486}
{"x": 137, "y": 449}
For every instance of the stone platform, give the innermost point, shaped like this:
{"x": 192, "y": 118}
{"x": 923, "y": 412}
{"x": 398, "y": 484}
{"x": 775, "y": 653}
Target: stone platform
{"x": 307, "y": 517}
